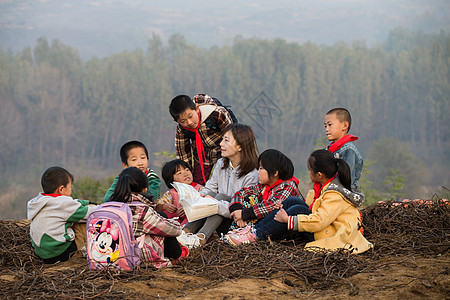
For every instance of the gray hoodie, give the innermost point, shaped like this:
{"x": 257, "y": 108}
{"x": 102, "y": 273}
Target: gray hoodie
{"x": 226, "y": 182}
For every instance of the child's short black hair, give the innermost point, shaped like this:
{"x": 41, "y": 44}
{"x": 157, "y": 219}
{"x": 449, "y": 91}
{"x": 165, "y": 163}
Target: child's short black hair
{"x": 273, "y": 160}
{"x": 342, "y": 114}
{"x": 170, "y": 168}
{"x": 127, "y": 147}
{"x": 53, "y": 178}
{"x": 179, "y": 104}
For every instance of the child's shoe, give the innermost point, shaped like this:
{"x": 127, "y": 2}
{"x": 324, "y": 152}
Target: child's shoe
{"x": 244, "y": 236}
{"x": 190, "y": 240}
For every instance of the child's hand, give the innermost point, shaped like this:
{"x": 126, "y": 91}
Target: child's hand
{"x": 208, "y": 196}
{"x": 241, "y": 223}
{"x": 180, "y": 212}
{"x": 281, "y": 216}
{"x": 236, "y": 215}
{"x": 170, "y": 208}
{"x": 278, "y": 205}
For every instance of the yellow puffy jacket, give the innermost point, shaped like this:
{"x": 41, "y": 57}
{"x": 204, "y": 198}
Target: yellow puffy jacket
{"x": 335, "y": 220}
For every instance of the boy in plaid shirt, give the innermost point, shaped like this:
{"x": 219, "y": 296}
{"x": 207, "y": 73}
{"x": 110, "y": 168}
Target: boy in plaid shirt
{"x": 198, "y": 135}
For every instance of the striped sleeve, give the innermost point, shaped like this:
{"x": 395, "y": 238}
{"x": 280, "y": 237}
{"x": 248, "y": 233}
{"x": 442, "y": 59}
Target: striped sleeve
{"x": 154, "y": 184}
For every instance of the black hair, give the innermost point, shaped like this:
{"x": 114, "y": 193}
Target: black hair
{"x": 170, "y": 168}
{"x": 53, "y": 178}
{"x": 179, "y": 104}
{"x": 245, "y": 138}
{"x": 342, "y": 114}
{"x": 323, "y": 161}
{"x": 273, "y": 160}
{"x": 131, "y": 180}
{"x": 127, "y": 147}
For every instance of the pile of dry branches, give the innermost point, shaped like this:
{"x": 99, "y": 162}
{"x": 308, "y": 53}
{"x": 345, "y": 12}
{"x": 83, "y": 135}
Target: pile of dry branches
{"x": 414, "y": 228}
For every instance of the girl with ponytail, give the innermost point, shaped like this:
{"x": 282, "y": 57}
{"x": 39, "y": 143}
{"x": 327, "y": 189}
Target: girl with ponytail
{"x": 333, "y": 218}
{"x": 159, "y": 243}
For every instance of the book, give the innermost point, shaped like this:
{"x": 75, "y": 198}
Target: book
{"x": 195, "y": 206}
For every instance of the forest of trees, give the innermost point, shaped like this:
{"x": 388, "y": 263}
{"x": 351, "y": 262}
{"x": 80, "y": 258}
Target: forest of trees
{"x": 57, "y": 109}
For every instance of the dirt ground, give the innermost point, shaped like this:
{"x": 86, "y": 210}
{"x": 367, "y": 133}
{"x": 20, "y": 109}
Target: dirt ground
{"x": 396, "y": 278}
{"x": 423, "y": 278}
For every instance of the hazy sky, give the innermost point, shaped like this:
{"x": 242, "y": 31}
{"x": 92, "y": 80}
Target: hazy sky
{"x": 104, "y": 27}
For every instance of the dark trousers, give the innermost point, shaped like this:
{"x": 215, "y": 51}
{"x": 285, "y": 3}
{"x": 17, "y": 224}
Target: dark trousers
{"x": 197, "y": 173}
{"x": 172, "y": 248}
{"x": 269, "y": 227}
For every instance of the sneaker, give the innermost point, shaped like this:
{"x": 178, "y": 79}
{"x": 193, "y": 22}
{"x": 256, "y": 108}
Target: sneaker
{"x": 190, "y": 240}
{"x": 240, "y": 230}
{"x": 242, "y": 237}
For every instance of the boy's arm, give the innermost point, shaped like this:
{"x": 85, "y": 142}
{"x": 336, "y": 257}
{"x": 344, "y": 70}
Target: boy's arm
{"x": 349, "y": 155}
{"x": 355, "y": 162}
{"x": 263, "y": 208}
{"x": 154, "y": 184}
{"x": 183, "y": 147}
{"x": 111, "y": 190}
{"x": 77, "y": 210}
{"x": 153, "y": 223}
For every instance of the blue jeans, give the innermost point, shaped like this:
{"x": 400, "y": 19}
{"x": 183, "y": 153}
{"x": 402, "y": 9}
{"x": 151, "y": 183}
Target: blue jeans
{"x": 269, "y": 227}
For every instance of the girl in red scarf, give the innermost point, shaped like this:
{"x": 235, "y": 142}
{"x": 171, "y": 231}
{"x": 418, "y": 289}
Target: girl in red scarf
{"x": 276, "y": 183}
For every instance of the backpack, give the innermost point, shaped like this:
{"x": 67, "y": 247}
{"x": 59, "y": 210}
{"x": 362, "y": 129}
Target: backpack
{"x": 110, "y": 240}
{"x": 210, "y": 122}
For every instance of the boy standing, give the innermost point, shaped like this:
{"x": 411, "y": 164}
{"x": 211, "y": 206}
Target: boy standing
{"x": 52, "y": 215}
{"x": 200, "y": 123}
{"x": 135, "y": 154}
{"x": 337, "y": 125}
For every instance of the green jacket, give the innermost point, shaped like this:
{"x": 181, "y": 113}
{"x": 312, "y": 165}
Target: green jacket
{"x": 154, "y": 186}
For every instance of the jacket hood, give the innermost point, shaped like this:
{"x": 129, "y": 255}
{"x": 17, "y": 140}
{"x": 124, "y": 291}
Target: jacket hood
{"x": 353, "y": 198}
{"x": 36, "y": 204}
{"x": 206, "y": 110}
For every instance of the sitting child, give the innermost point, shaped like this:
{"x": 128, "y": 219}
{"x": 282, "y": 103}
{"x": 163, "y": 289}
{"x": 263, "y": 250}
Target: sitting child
{"x": 276, "y": 183}
{"x": 135, "y": 154}
{"x": 176, "y": 170}
{"x": 334, "y": 218}
{"x": 54, "y": 216}
{"x": 159, "y": 233}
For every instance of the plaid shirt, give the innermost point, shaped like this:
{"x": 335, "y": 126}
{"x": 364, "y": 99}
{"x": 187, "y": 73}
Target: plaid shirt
{"x": 211, "y": 138}
{"x": 147, "y": 223}
{"x": 262, "y": 208}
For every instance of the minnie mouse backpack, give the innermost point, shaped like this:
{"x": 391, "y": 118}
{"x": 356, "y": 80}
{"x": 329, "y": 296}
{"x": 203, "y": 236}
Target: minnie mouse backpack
{"x": 110, "y": 240}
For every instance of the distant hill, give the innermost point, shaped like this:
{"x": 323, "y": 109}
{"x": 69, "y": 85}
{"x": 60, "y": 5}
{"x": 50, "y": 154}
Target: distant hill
{"x": 104, "y": 27}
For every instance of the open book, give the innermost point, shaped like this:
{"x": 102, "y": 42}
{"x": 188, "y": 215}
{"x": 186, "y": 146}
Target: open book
{"x": 195, "y": 206}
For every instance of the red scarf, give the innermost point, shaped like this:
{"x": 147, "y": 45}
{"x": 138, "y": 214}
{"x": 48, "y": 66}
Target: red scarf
{"x": 335, "y": 146}
{"x": 268, "y": 188}
{"x": 199, "y": 144}
{"x": 318, "y": 189}
{"x": 52, "y": 195}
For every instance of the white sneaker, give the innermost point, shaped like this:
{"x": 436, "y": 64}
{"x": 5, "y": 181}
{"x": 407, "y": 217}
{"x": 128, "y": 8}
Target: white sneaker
{"x": 190, "y": 240}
